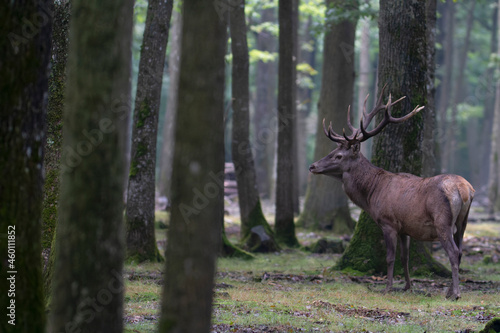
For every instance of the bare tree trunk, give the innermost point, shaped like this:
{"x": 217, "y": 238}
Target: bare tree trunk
{"x": 285, "y": 188}
{"x": 265, "y": 103}
{"x": 364, "y": 74}
{"x": 326, "y": 204}
{"x": 493, "y": 184}
{"x": 458, "y": 92}
{"x": 140, "y": 214}
{"x": 87, "y": 291}
{"x": 197, "y": 209}
{"x": 445, "y": 91}
{"x": 248, "y": 196}
{"x": 167, "y": 152}
{"x": 24, "y": 70}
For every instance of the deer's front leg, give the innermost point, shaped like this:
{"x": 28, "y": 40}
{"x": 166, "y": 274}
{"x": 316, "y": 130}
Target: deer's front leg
{"x": 391, "y": 239}
{"x": 405, "y": 257}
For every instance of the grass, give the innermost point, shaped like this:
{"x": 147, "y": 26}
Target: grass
{"x": 295, "y": 291}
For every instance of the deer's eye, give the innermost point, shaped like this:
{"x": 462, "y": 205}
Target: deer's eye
{"x": 338, "y": 157}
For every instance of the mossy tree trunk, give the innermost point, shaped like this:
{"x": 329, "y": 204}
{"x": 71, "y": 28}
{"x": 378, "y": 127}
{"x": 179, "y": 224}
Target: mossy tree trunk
{"x": 194, "y": 233}
{"x": 25, "y": 48}
{"x": 87, "y": 289}
{"x": 53, "y": 144}
{"x": 403, "y": 67}
{"x": 284, "y": 226}
{"x": 140, "y": 213}
{"x": 248, "y": 197}
{"x": 326, "y": 205}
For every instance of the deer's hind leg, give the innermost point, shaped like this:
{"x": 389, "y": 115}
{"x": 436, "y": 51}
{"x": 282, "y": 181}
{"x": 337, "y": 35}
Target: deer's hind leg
{"x": 405, "y": 258}
{"x": 446, "y": 237}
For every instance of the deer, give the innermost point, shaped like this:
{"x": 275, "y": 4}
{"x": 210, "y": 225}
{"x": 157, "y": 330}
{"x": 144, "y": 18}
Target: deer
{"x": 403, "y": 205}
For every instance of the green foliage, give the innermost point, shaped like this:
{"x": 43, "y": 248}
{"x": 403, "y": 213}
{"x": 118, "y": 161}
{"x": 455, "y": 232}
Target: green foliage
{"x": 264, "y": 56}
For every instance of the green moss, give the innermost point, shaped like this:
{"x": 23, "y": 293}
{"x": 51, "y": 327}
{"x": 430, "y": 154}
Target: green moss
{"x": 141, "y": 150}
{"x": 143, "y": 112}
{"x": 133, "y": 169}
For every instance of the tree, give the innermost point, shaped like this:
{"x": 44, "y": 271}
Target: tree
{"x": 25, "y": 42}
{"x": 87, "y": 290}
{"x": 248, "y": 196}
{"x": 140, "y": 216}
{"x": 398, "y": 149}
{"x": 493, "y": 184}
{"x": 265, "y": 101}
{"x": 174, "y": 57}
{"x": 197, "y": 180}
{"x": 326, "y": 204}
{"x": 284, "y": 224}
{"x": 53, "y": 143}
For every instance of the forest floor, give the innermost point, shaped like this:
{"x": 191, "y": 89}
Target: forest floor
{"x": 297, "y": 291}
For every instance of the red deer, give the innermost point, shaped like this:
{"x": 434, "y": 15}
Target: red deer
{"x": 403, "y": 205}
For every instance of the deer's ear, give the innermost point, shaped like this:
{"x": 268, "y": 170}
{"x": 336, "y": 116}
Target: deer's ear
{"x": 355, "y": 147}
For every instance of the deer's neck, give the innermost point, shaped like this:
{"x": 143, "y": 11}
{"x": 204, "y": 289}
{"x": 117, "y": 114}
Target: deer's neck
{"x": 360, "y": 182}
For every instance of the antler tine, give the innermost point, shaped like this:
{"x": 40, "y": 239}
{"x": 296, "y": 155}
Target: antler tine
{"x": 378, "y": 107}
{"x": 330, "y": 133}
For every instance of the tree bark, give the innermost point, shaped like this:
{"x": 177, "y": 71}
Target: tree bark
{"x": 494, "y": 179}
{"x": 326, "y": 204}
{"x": 284, "y": 220}
{"x": 87, "y": 287}
{"x": 140, "y": 213}
{"x": 248, "y": 197}
{"x": 194, "y": 233}
{"x": 25, "y": 45}
{"x": 53, "y": 144}
{"x": 167, "y": 150}
{"x": 265, "y": 102}
{"x": 402, "y": 27}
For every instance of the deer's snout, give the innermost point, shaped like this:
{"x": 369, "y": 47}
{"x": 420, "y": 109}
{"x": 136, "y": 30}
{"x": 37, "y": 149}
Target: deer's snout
{"x": 312, "y": 168}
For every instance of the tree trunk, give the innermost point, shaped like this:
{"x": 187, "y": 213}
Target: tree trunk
{"x": 87, "y": 286}
{"x": 364, "y": 75}
{"x": 445, "y": 90}
{"x": 25, "y": 49}
{"x": 494, "y": 179}
{"x": 398, "y": 148}
{"x": 197, "y": 181}
{"x": 167, "y": 152}
{"x": 326, "y": 205}
{"x": 53, "y": 144}
{"x": 248, "y": 196}
{"x": 284, "y": 219}
{"x": 140, "y": 214}
{"x": 458, "y": 92}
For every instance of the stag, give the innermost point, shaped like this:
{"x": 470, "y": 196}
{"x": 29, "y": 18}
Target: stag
{"x": 402, "y": 205}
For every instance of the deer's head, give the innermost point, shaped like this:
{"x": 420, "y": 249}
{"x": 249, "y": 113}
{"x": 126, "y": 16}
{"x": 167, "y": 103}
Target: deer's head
{"x": 347, "y": 154}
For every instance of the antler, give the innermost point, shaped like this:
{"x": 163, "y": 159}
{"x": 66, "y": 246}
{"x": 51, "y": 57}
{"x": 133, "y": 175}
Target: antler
{"x": 361, "y": 134}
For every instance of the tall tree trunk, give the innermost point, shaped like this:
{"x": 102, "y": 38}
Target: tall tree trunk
{"x": 403, "y": 32}
{"x": 295, "y": 143}
{"x": 326, "y": 204}
{"x": 167, "y": 150}
{"x": 429, "y": 148}
{"x": 248, "y": 196}
{"x": 364, "y": 74}
{"x": 265, "y": 103}
{"x": 87, "y": 293}
{"x": 25, "y": 49}
{"x": 458, "y": 92}
{"x": 307, "y": 54}
{"x": 53, "y": 144}
{"x": 445, "y": 90}
{"x": 284, "y": 223}
{"x": 197, "y": 180}
{"x": 494, "y": 179}
{"x": 489, "y": 89}
{"x": 140, "y": 215}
